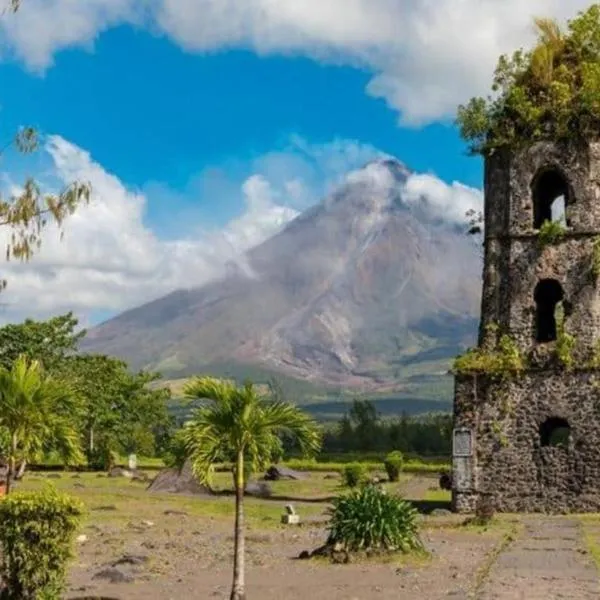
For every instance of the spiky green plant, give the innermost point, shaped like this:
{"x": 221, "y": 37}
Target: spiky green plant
{"x": 368, "y": 518}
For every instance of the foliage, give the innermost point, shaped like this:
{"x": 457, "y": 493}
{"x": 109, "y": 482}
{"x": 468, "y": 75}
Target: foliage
{"x": 238, "y": 420}
{"x": 49, "y": 342}
{"x": 393, "y": 463}
{"x": 370, "y": 519}
{"x": 354, "y": 474}
{"x": 503, "y": 360}
{"x": 565, "y": 342}
{"x": 551, "y": 232}
{"x": 550, "y": 92}
{"x": 176, "y": 454}
{"x": 37, "y": 413}
{"x": 36, "y": 535}
{"x": 121, "y": 411}
{"x": 595, "y": 261}
{"x": 363, "y": 430}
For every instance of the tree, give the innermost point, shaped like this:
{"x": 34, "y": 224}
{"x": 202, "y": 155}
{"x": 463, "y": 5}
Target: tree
{"x": 120, "y": 409}
{"x": 238, "y": 420}
{"x": 551, "y": 92}
{"x": 37, "y": 414}
{"x": 49, "y": 341}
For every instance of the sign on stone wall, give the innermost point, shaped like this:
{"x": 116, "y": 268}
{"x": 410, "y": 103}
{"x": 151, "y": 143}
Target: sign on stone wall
{"x": 462, "y": 459}
{"x": 132, "y": 462}
{"x": 462, "y": 445}
{"x": 462, "y": 476}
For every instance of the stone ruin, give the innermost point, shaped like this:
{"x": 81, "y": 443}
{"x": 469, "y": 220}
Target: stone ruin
{"x": 531, "y": 440}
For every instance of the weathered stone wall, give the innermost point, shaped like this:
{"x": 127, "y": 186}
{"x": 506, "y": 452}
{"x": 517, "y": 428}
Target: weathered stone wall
{"x": 514, "y": 261}
{"x": 509, "y": 460}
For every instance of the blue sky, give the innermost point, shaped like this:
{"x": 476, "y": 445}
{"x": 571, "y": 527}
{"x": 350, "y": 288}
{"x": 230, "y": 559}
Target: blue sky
{"x": 201, "y": 127}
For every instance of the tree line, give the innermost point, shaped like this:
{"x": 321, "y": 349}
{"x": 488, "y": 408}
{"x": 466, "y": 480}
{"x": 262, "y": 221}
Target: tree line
{"x": 362, "y": 429}
{"x": 79, "y": 407}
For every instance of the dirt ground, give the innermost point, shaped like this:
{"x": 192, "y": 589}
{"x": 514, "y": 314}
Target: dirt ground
{"x": 163, "y": 546}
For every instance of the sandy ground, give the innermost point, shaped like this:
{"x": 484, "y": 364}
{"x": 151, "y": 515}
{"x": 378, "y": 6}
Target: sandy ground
{"x": 138, "y": 545}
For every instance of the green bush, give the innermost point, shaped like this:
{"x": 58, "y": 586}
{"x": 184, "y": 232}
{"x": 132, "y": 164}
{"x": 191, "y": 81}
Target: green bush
{"x": 354, "y": 474}
{"x": 102, "y": 458}
{"x": 370, "y": 519}
{"x": 36, "y": 535}
{"x": 393, "y": 463}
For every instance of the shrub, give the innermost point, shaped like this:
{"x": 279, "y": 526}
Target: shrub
{"x": 370, "y": 519}
{"x": 102, "y": 458}
{"x": 551, "y": 232}
{"x": 36, "y": 534}
{"x": 393, "y": 463}
{"x": 354, "y": 474}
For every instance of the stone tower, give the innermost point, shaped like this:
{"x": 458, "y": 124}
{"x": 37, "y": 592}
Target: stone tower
{"x": 531, "y": 439}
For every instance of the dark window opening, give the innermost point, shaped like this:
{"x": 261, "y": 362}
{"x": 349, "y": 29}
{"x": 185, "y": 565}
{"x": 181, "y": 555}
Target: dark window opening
{"x": 550, "y": 192}
{"x": 548, "y": 293}
{"x": 555, "y": 432}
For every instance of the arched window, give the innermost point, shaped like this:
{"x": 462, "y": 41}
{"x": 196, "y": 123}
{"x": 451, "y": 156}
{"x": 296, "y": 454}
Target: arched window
{"x": 555, "y": 432}
{"x": 548, "y": 293}
{"x": 550, "y": 192}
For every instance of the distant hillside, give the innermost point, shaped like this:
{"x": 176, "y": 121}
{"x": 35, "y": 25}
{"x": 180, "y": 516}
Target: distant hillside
{"x": 363, "y": 292}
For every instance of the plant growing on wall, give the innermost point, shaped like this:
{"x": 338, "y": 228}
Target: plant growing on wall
{"x": 502, "y": 360}
{"x": 551, "y": 232}
{"x": 550, "y": 92}
{"x": 565, "y": 342}
{"x": 595, "y": 259}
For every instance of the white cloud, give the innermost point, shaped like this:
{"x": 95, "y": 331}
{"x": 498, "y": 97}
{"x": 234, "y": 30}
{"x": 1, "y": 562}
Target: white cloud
{"x": 448, "y": 203}
{"x": 110, "y": 259}
{"x": 426, "y": 56}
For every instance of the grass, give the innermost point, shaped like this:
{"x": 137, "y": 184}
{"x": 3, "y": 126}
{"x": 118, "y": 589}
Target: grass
{"x": 410, "y": 466}
{"x": 437, "y": 495}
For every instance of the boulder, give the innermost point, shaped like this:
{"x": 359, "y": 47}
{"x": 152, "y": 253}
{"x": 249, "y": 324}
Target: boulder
{"x": 258, "y": 489}
{"x": 277, "y": 472}
{"x": 178, "y": 481}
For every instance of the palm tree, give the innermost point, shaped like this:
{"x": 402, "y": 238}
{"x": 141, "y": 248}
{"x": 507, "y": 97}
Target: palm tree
{"x": 237, "y": 420}
{"x": 37, "y": 414}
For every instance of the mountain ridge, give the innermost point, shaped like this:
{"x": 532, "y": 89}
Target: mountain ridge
{"x": 362, "y": 291}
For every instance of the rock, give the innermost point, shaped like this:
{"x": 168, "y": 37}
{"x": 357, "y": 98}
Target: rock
{"x": 304, "y": 555}
{"x": 331, "y": 476}
{"x": 113, "y": 575}
{"x": 258, "y": 489}
{"x": 181, "y": 513}
{"x": 78, "y": 485}
{"x": 120, "y": 472}
{"x": 441, "y": 512}
{"x": 277, "y": 472}
{"x": 147, "y": 523}
{"x": 131, "y": 559}
{"x": 82, "y": 538}
{"x": 53, "y": 476}
{"x": 105, "y": 507}
{"x": 445, "y": 481}
{"x": 177, "y": 481}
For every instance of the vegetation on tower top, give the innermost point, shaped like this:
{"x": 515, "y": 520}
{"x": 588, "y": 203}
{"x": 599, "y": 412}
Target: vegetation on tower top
{"x": 551, "y": 92}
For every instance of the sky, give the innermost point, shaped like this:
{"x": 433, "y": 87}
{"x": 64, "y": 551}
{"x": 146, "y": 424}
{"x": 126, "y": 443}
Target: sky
{"x": 204, "y": 126}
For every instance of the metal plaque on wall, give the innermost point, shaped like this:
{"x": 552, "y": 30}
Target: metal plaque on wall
{"x": 462, "y": 444}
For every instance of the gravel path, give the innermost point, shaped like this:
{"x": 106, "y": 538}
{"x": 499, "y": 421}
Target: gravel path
{"x": 548, "y": 560}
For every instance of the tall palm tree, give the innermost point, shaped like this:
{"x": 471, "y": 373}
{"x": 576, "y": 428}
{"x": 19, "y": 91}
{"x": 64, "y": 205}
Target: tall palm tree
{"x": 38, "y": 414}
{"x": 239, "y": 421}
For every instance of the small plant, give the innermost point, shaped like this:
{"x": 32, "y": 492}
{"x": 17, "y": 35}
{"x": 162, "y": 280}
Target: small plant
{"x": 565, "y": 342}
{"x": 595, "y": 261}
{"x": 551, "y": 232}
{"x": 393, "y": 463}
{"x": 500, "y": 361}
{"x": 354, "y": 474}
{"x": 36, "y": 535}
{"x": 485, "y": 509}
{"x": 370, "y": 519}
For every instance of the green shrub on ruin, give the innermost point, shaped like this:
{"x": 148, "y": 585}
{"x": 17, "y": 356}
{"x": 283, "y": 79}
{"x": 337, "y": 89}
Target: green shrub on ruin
{"x": 550, "y": 92}
{"x": 505, "y": 359}
{"x": 565, "y": 342}
{"x": 595, "y": 259}
{"x": 551, "y": 232}
{"x": 36, "y": 537}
